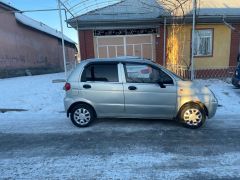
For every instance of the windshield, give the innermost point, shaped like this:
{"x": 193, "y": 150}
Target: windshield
{"x": 175, "y": 75}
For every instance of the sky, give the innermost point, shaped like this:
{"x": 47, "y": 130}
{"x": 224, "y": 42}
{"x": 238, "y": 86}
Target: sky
{"x": 49, "y": 18}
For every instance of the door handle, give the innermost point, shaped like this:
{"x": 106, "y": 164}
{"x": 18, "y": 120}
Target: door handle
{"x": 132, "y": 88}
{"x": 86, "y": 86}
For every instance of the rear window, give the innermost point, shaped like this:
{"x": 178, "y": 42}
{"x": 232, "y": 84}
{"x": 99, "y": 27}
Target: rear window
{"x": 100, "y": 72}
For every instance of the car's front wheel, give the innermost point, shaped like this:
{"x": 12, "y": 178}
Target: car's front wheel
{"x": 192, "y": 116}
{"x": 82, "y": 115}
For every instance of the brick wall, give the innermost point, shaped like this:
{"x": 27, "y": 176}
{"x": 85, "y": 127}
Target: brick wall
{"x": 22, "y": 47}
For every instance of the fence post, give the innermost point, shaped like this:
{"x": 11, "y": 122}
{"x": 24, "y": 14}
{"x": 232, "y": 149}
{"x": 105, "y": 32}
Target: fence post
{"x": 193, "y": 39}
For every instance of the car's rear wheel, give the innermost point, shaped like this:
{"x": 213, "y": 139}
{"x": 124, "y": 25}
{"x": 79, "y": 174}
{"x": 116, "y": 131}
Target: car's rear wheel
{"x": 192, "y": 116}
{"x": 82, "y": 115}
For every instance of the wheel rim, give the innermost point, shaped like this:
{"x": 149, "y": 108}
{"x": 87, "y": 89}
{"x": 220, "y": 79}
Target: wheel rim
{"x": 192, "y": 117}
{"x": 82, "y": 116}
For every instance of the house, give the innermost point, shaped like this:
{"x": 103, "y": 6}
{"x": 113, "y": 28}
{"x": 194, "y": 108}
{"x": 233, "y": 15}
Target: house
{"x": 157, "y": 31}
{"x": 26, "y": 44}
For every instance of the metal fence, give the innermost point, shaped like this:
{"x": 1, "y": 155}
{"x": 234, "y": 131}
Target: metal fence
{"x": 206, "y": 73}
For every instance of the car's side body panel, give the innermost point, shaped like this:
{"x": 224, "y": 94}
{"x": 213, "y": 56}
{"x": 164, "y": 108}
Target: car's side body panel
{"x": 107, "y": 98}
{"x": 191, "y": 92}
{"x": 149, "y": 100}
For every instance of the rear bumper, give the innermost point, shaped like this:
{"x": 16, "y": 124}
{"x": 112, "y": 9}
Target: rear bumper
{"x": 67, "y": 103}
{"x": 236, "y": 81}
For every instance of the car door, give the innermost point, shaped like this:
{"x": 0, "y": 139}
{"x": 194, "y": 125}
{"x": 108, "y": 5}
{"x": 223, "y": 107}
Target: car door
{"x": 144, "y": 98}
{"x": 100, "y": 85}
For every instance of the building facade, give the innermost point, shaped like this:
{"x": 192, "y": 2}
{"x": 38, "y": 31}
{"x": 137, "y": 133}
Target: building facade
{"x": 26, "y": 44}
{"x": 148, "y": 30}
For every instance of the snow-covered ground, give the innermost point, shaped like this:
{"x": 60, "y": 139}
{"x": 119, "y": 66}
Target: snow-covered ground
{"x": 228, "y": 96}
{"x": 42, "y": 143}
{"x": 43, "y": 101}
{"x": 39, "y": 95}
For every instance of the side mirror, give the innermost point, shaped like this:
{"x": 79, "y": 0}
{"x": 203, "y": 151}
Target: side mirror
{"x": 161, "y": 83}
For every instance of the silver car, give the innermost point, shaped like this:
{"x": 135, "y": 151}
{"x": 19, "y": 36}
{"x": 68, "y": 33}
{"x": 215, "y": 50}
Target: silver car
{"x": 131, "y": 87}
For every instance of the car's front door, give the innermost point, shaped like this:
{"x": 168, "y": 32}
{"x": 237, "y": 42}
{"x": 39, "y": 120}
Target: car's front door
{"x": 143, "y": 95}
{"x": 100, "y": 85}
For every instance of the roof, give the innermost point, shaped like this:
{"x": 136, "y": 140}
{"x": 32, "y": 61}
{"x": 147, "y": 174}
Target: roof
{"x": 35, "y": 24}
{"x": 216, "y": 8}
{"x": 211, "y": 11}
{"x": 118, "y": 59}
{"x": 133, "y": 9}
{"x": 128, "y": 12}
{"x": 41, "y": 27}
{"x": 8, "y": 5}
{"x": 84, "y": 6}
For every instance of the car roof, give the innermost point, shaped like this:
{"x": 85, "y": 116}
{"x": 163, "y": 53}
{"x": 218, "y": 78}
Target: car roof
{"x": 119, "y": 59}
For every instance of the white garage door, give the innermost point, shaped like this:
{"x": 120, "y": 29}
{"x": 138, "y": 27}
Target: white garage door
{"x": 126, "y": 45}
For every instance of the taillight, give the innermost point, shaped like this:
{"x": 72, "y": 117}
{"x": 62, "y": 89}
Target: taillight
{"x": 67, "y": 86}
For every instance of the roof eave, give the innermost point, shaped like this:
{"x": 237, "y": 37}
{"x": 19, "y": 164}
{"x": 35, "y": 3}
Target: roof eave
{"x": 204, "y": 19}
{"x": 84, "y": 24}
{"x": 9, "y": 7}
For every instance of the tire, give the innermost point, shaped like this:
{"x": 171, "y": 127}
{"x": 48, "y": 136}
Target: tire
{"x": 82, "y": 115}
{"x": 192, "y": 116}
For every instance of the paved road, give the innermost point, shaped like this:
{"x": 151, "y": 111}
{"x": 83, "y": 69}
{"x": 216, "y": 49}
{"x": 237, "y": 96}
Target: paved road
{"x": 124, "y": 149}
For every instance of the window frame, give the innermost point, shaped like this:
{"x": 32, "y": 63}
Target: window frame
{"x": 212, "y": 50}
{"x": 152, "y": 66}
{"x": 100, "y": 63}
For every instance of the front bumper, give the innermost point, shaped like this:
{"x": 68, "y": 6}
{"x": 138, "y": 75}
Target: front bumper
{"x": 212, "y": 109}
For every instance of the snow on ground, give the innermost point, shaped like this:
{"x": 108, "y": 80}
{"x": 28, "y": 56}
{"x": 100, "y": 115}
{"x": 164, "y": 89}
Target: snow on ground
{"x": 37, "y": 94}
{"x": 118, "y": 166}
{"x": 45, "y": 144}
{"x": 44, "y": 102}
{"x": 228, "y": 96}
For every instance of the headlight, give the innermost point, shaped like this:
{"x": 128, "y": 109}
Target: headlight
{"x": 236, "y": 73}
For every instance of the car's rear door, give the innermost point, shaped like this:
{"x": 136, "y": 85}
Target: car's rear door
{"x": 100, "y": 85}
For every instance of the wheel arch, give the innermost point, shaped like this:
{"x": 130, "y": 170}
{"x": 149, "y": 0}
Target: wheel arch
{"x": 193, "y": 102}
{"x": 83, "y": 103}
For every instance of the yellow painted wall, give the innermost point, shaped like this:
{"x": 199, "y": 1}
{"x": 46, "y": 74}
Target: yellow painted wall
{"x": 179, "y": 46}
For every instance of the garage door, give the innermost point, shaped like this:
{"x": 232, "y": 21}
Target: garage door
{"x": 127, "y": 45}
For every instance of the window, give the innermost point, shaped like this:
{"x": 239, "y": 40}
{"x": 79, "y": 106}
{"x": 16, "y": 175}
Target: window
{"x": 203, "y": 42}
{"x": 100, "y": 72}
{"x": 143, "y": 73}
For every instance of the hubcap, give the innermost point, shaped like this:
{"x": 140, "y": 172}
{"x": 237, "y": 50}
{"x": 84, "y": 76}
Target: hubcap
{"x": 82, "y": 116}
{"x": 192, "y": 117}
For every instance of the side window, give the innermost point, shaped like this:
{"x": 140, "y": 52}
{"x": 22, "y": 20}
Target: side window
{"x": 166, "y": 79}
{"x": 143, "y": 73}
{"x": 100, "y": 72}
